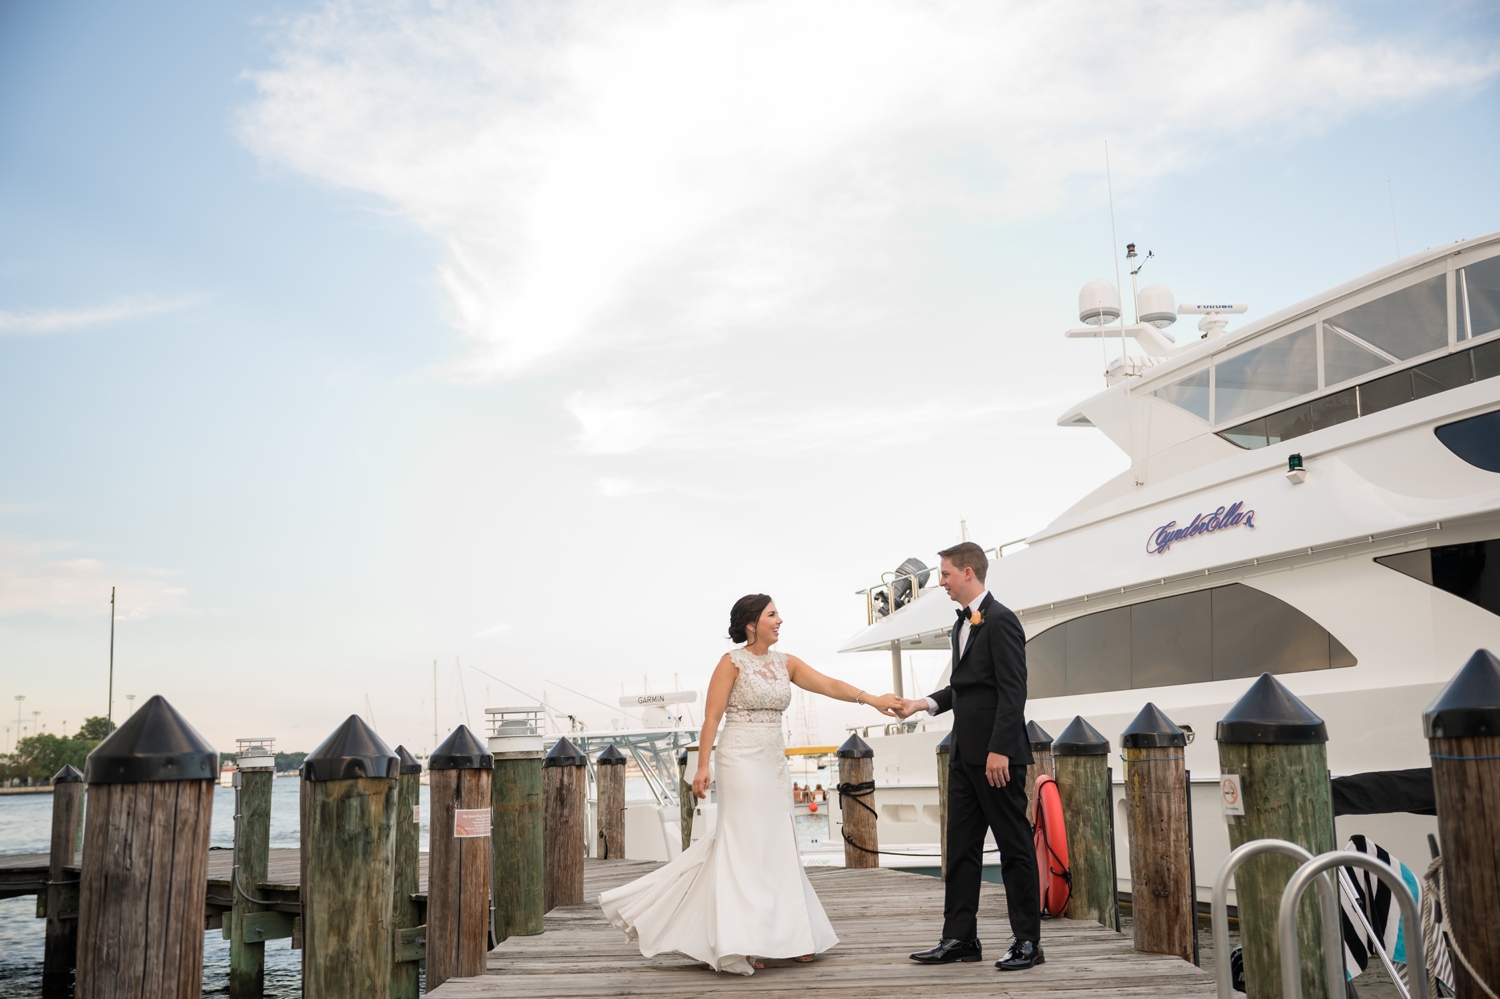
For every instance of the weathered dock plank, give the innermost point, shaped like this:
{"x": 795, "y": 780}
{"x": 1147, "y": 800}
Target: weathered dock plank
{"x": 880, "y": 915}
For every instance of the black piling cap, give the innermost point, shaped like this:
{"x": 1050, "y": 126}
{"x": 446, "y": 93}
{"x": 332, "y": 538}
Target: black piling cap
{"x": 945, "y": 745}
{"x": 69, "y": 774}
{"x": 565, "y": 754}
{"x": 1470, "y": 704}
{"x": 855, "y": 748}
{"x": 1038, "y": 737}
{"x": 461, "y": 751}
{"x": 1080, "y": 739}
{"x": 351, "y": 752}
{"x": 682, "y": 757}
{"x": 155, "y": 744}
{"x": 409, "y": 763}
{"x": 1152, "y": 730}
{"x": 1269, "y": 713}
{"x": 612, "y": 757}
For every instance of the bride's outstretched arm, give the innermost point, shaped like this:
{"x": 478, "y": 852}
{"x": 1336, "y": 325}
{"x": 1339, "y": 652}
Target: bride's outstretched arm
{"x": 719, "y": 686}
{"x": 808, "y": 678}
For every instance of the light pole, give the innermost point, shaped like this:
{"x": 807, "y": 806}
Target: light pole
{"x": 36, "y": 717}
{"x": 130, "y": 700}
{"x": 19, "y": 699}
{"x": 110, "y": 713}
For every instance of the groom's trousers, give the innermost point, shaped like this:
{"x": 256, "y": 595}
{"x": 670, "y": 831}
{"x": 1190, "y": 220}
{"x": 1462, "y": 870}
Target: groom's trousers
{"x": 973, "y": 808}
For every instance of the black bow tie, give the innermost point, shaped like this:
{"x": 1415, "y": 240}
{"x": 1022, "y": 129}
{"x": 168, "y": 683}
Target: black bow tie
{"x": 963, "y": 615}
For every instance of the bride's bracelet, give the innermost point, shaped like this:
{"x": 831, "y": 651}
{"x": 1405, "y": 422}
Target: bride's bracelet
{"x": 857, "y": 697}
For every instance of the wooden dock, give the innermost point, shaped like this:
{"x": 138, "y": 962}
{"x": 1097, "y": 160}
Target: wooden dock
{"x": 880, "y": 916}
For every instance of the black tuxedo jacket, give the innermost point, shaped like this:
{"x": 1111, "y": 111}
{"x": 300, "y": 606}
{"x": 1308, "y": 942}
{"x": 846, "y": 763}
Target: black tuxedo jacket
{"x": 987, "y": 689}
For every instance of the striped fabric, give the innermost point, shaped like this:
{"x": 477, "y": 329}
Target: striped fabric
{"x": 1372, "y": 898}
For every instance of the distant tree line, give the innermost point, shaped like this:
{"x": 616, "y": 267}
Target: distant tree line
{"x": 38, "y": 757}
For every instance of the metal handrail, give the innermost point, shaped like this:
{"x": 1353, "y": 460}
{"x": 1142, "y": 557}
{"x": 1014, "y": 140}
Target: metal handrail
{"x": 1333, "y": 943}
{"x": 1286, "y": 919}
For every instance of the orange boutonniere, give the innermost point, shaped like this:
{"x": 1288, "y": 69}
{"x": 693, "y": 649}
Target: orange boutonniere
{"x": 976, "y": 619}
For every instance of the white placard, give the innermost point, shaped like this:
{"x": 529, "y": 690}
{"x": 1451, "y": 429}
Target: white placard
{"x": 416, "y": 814}
{"x": 471, "y": 823}
{"x": 1232, "y": 794}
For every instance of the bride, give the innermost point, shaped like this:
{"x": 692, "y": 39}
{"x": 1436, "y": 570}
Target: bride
{"x": 740, "y": 893}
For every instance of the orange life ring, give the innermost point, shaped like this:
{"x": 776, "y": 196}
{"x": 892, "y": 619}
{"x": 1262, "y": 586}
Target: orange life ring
{"x": 812, "y": 806}
{"x": 1051, "y": 841}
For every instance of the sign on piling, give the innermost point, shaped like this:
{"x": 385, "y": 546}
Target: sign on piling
{"x": 458, "y": 873}
{"x": 145, "y": 858}
{"x": 348, "y": 863}
{"x": 1277, "y": 748}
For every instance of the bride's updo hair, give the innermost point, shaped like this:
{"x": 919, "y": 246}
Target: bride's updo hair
{"x": 746, "y": 611}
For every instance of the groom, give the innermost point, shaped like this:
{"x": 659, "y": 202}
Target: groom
{"x": 987, "y": 770}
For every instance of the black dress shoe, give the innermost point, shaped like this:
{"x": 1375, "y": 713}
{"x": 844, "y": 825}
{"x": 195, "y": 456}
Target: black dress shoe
{"x": 949, "y": 950}
{"x": 1023, "y": 954}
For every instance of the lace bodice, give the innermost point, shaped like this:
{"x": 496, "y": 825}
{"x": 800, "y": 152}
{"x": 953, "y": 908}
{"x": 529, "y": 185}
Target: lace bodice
{"x": 763, "y": 689}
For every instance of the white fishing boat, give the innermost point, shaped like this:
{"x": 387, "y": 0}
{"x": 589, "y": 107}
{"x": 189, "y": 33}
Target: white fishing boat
{"x": 1315, "y": 494}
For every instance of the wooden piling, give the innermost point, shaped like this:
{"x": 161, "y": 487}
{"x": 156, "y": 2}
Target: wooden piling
{"x": 1081, "y": 758}
{"x": 348, "y": 850}
{"x": 857, "y": 802}
{"x": 60, "y": 949}
{"x": 1163, "y": 904}
{"x": 944, "y": 761}
{"x": 1276, "y": 746}
{"x": 247, "y": 951}
{"x": 610, "y": 767}
{"x": 566, "y": 824}
{"x": 685, "y": 800}
{"x": 1462, "y": 725}
{"x": 406, "y": 880}
{"x": 458, "y": 871}
{"x": 145, "y": 858}
{"x": 516, "y": 795}
{"x": 1041, "y": 755}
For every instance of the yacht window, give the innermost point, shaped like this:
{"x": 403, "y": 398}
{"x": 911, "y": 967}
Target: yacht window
{"x": 1475, "y": 440}
{"x": 1443, "y": 374}
{"x": 1273, "y": 372}
{"x": 1450, "y": 371}
{"x": 1047, "y": 664}
{"x": 1099, "y": 652}
{"x": 1190, "y": 393}
{"x": 1331, "y": 410}
{"x": 1479, "y": 298}
{"x": 1470, "y": 571}
{"x": 1404, "y": 323}
{"x": 1227, "y": 631}
{"x": 1289, "y": 423}
{"x": 1344, "y": 359}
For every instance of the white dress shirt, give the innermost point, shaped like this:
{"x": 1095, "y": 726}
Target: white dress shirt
{"x": 962, "y": 638}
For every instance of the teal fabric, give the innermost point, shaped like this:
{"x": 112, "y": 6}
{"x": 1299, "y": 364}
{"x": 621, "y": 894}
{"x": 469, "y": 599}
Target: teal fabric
{"x": 1398, "y": 953}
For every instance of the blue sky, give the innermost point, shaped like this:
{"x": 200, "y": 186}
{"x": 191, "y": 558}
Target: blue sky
{"x": 345, "y": 338}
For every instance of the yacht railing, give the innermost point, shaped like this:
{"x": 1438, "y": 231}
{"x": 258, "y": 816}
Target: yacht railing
{"x": 880, "y": 599}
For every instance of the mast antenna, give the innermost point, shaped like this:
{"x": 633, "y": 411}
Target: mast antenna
{"x": 109, "y": 714}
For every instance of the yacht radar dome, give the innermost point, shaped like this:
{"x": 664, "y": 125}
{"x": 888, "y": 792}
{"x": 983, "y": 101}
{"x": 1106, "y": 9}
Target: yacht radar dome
{"x": 1156, "y": 306}
{"x": 1098, "y": 303}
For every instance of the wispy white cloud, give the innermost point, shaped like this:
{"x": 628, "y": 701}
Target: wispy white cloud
{"x": 43, "y": 578}
{"x": 494, "y": 629}
{"x": 609, "y": 174}
{"x": 40, "y": 322}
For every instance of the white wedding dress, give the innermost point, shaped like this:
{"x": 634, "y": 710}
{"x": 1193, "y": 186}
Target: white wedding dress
{"x": 740, "y": 892}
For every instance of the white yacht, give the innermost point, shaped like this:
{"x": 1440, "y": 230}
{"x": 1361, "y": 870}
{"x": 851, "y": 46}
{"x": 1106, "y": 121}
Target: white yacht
{"x": 1315, "y": 494}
